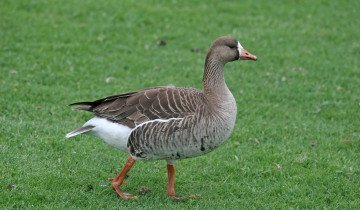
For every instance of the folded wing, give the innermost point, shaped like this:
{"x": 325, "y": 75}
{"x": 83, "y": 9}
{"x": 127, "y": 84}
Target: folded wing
{"x": 132, "y": 109}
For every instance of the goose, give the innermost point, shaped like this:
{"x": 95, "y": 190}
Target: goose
{"x": 168, "y": 123}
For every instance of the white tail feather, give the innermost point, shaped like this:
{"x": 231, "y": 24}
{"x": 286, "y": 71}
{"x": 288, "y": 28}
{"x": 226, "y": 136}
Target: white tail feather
{"x": 79, "y": 131}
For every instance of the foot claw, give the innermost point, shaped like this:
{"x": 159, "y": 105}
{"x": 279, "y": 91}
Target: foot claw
{"x": 122, "y": 194}
{"x": 128, "y": 196}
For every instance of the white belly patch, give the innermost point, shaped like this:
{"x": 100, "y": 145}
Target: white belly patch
{"x": 114, "y": 134}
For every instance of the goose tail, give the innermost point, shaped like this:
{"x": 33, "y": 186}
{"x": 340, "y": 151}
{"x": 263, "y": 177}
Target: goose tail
{"x": 78, "y": 131}
{"x": 85, "y": 106}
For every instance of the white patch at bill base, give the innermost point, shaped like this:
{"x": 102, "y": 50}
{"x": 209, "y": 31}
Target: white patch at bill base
{"x": 239, "y": 47}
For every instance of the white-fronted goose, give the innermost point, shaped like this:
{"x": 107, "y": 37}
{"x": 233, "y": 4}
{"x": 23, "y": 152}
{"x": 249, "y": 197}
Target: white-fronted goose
{"x": 169, "y": 123}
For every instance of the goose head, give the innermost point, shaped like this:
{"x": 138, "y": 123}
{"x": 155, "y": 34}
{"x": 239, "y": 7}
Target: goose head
{"x": 226, "y": 49}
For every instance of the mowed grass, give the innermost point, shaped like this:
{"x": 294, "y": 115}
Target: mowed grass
{"x": 296, "y": 143}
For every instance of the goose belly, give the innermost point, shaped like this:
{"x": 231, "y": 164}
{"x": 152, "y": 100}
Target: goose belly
{"x": 114, "y": 134}
{"x": 175, "y": 140}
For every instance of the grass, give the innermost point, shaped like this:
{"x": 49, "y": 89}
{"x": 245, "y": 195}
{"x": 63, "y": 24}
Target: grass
{"x": 296, "y": 143}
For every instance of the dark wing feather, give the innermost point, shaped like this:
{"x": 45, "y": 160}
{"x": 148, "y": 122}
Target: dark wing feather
{"x": 134, "y": 108}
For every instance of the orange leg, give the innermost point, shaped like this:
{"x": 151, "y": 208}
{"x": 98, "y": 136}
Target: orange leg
{"x": 118, "y": 180}
{"x": 170, "y": 189}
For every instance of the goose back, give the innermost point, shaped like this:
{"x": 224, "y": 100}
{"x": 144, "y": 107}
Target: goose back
{"x": 134, "y": 108}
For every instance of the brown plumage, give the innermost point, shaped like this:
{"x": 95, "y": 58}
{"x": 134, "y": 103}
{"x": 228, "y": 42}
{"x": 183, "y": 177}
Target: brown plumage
{"x": 134, "y": 108}
{"x": 169, "y": 123}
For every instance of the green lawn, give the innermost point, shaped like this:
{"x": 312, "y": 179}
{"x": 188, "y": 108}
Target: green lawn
{"x": 296, "y": 143}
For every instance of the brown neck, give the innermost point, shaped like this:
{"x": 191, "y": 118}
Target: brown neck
{"x": 213, "y": 80}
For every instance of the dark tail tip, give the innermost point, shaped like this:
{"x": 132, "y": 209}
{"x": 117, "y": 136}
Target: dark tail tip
{"x": 85, "y": 106}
